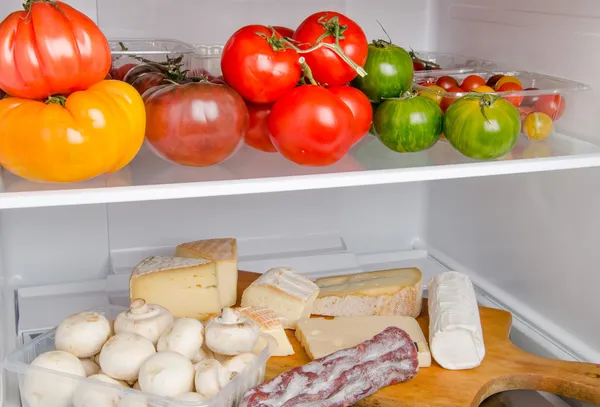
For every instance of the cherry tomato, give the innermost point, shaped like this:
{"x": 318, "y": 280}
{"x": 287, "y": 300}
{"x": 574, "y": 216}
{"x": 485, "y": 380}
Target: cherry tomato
{"x": 284, "y": 31}
{"x": 492, "y": 80}
{"x": 553, "y": 105}
{"x": 434, "y": 92}
{"x": 447, "y": 82}
{"x": 512, "y": 87}
{"x": 508, "y": 79}
{"x": 252, "y": 67}
{"x": 49, "y": 49}
{"x": 472, "y": 82}
{"x": 327, "y": 67}
{"x": 258, "y": 135}
{"x": 311, "y": 126}
{"x": 418, "y": 66}
{"x": 530, "y": 100}
{"x": 524, "y": 111}
{"x": 359, "y": 105}
{"x": 484, "y": 89}
{"x": 537, "y": 126}
{"x": 448, "y": 100}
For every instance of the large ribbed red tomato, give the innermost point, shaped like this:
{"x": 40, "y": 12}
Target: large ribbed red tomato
{"x": 259, "y": 65}
{"x": 311, "y": 126}
{"x": 327, "y": 67}
{"x": 50, "y": 48}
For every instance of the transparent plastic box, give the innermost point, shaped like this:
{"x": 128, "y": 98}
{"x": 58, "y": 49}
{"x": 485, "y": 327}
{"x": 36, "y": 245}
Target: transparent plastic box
{"x": 18, "y": 362}
{"x": 451, "y": 64}
{"x": 556, "y": 97}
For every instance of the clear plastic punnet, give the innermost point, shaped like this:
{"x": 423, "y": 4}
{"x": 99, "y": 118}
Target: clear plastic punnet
{"x": 450, "y": 64}
{"x": 62, "y": 385}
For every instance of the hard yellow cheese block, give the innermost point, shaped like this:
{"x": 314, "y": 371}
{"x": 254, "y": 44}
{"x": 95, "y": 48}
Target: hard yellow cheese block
{"x": 285, "y": 291}
{"x": 387, "y": 292}
{"x": 321, "y": 337}
{"x": 186, "y": 287}
{"x": 224, "y": 253}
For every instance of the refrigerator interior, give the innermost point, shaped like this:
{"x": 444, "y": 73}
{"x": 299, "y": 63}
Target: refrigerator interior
{"x": 527, "y": 240}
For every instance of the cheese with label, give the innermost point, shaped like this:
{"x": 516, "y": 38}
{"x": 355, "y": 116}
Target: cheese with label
{"x": 387, "y": 292}
{"x": 321, "y": 337}
{"x": 285, "y": 291}
{"x": 224, "y": 253}
{"x": 186, "y": 287}
{"x": 455, "y": 334}
{"x": 270, "y": 323}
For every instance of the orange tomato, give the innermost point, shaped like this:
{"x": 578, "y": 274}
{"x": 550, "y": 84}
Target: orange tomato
{"x": 97, "y": 131}
{"x": 512, "y": 87}
{"x": 537, "y": 126}
{"x": 434, "y": 92}
{"x": 484, "y": 89}
{"x": 508, "y": 79}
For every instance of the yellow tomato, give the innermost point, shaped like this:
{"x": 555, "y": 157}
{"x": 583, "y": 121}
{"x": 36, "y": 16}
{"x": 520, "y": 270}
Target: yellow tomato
{"x": 92, "y": 132}
{"x": 537, "y": 126}
{"x": 508, "y": 79}
{"x": 434, "y": 92}
{"x": 484, "y": 89}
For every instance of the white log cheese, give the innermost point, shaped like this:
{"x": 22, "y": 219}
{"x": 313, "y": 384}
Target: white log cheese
{"x": 455, "y": 334}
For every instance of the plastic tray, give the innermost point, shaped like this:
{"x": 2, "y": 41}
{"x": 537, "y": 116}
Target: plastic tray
{"x": 18, "y": 362}
{"x": 451, "y": 64}
{"x": 548, "y": 86}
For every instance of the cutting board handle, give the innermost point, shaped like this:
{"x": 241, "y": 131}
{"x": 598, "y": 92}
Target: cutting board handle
{"x": 577, "y": 380}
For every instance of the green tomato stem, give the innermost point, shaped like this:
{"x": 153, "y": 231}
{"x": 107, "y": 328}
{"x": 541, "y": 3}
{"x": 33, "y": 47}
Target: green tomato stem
{"x": 306, "y": 72}
{"x": 56, "y": 100}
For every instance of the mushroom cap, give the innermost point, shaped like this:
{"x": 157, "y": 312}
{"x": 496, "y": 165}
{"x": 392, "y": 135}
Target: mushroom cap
{"x": 83, "y": 334}
{"x": 184, "y": 336}
{"x": 167, "y": 374}
{"x": 123, "y": 355}
{"x": 148, "y": 320}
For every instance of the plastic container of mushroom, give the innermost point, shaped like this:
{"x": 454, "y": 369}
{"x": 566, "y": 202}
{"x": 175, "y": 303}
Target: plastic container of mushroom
{"x": 45, "y": 386}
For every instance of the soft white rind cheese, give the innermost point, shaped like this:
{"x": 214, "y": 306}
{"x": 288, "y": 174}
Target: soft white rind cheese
{"x": 455, "y": 334}
{"x": 224, "y": 253}
{"x": 321, "y": 337}
{"x": 270, "y": 323}
{"x": 285, "y": 291}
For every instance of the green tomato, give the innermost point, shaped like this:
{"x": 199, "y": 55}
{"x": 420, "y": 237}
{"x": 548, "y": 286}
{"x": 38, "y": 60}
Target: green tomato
{"x": 409, "y": 124}
{"x": 390, "y": 72}
{"x": 482, "y": 127}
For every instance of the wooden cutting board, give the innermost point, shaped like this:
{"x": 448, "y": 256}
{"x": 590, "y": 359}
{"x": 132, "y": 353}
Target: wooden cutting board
{"x": 504, "y": 368}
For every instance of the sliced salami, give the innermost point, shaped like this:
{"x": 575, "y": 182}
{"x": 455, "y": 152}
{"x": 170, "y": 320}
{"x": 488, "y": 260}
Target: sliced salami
{"x": 342, "y": 378}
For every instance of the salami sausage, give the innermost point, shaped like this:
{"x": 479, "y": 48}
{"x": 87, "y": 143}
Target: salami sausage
{"x": 341, "y": 378}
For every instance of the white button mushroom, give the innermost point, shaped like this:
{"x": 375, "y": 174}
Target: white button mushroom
{"x": 148, "y": 320}
{"x": 82, "y": 334}
{"x": 211, "y": 377}
{"x": 185, "y": 337}
{"x": 42, "y": 389}
{"x": 231, "y": 333}
{"x": 89, "y": 395}
{"x": 236, "y": 364}
{"x": 123, "y": 354}
{"x": 91, "y": 367}
{"x": 167, "y": 374}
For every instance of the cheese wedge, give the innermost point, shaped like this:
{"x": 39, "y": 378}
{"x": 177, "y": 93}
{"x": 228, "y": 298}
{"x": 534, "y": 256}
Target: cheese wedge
{"x": 321, "y": 337}
{"x": 455, "y": 332}
{"x": 270, "y": 323}
{"x": 224, "y": 253}
{"x": 387, "y": 292}
{"x": 186, "y": 287}
{"x": 285, "y": 291}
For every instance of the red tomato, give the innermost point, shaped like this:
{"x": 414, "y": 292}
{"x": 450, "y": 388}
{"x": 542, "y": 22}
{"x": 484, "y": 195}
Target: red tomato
{"x": 120, "y": 72}
{"x": 284, "y": 31}
{"x": 447, "y": 100}
{"x": 51, "y": 49}
{"x": 530, "y": 100}
{"x": 195, "y": 124}
{"x": 418, "y": 66}
{"x": 327, "y": 67}
{"x": 492, "y": 80}
{"x": 512, "y": 87}
{"x": 359, "y": 105}
{"x": 472, "y": 82}
{"x": 447, "y": 82}
{"x": 553, "y": 105}
{"x": 252, "y": 67}
{"x": 311, "y": 126}
{"x": 258, "y": 135}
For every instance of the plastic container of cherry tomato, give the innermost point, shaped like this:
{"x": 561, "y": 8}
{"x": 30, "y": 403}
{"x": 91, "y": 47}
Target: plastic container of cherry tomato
{"x": 126, "y": 53}
{"x": 449, "y": 64}
{"x": 207, "y": 60}
{"x": 544, "y": 103}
